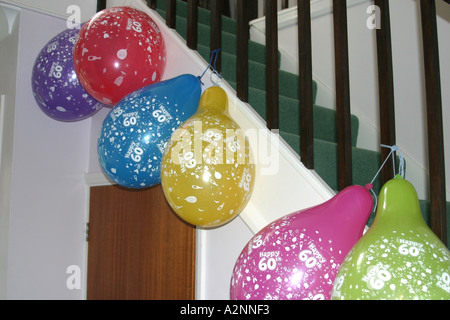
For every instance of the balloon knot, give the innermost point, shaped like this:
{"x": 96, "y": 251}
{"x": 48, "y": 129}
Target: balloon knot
{"x": 369, "y": 186}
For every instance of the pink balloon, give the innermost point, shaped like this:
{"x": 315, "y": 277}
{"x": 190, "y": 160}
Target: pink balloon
{"x": 298, "y": 256}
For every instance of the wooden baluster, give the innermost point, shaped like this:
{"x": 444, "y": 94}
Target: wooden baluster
{"x": 151, "y": 4}
{"x": 272, "y": 85}
{"x": 216, "y": 31}
{"x": 192, "y": 24}
{"x": 101, "y": 4}
{"x": 434, "y": 119}
{"x": 305, "y": 84}
{"x": 386, "y": 88}
{"x": 342, "y": 94}
{"x": 171, "y": 13}
{"x": 242, "y": 49}
{"x": 253, "y": 9}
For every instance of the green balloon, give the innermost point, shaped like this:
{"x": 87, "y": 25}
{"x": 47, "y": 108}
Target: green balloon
{"x": 399, "y": 257}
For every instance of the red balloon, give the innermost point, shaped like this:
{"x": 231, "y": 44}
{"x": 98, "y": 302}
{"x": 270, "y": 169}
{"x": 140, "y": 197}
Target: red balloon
{"x": 117, "y": 52}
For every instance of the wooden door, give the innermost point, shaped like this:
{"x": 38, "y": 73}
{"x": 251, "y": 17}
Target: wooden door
{"x": 138, "y": 248}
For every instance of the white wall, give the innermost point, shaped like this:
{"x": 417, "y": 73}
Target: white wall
{"x": 219, "y": 250}
{"x": 48, "y": 192}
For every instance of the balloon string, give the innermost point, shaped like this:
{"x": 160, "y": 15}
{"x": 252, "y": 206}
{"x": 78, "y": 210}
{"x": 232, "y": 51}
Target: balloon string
{"x": 212, "y": 64}
{"x": 401, "y": 165}
{"x": 401, "y": 168}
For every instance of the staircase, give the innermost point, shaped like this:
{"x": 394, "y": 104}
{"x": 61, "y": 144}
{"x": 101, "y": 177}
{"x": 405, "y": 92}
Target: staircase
{"x": 366, "y": 163}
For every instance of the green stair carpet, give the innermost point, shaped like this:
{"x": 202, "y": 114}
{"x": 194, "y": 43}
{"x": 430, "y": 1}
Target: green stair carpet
{"x": 366, "y": 163}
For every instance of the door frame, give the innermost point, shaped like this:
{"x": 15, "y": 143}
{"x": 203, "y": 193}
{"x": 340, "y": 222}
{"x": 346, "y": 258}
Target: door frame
{"x": 100, "y": 180}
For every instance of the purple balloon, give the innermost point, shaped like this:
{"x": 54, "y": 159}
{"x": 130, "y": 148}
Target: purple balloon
{"x": 55, "y": 84}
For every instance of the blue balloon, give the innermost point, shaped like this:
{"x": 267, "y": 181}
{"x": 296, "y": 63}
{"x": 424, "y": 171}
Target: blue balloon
{"x": 135, "y": 132}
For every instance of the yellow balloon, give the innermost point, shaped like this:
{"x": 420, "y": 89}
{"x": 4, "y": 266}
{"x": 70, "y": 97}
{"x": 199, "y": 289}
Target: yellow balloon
{"x": 207, "y": 171}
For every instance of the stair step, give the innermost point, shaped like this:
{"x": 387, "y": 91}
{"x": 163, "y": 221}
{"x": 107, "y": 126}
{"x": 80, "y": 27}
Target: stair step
{"x": 366, "y": 163}
{"x": 257, "y": 51}
{"x": 204, "y": 15}
{"x": 257, "y": 69}
{"x": 257, "y": 74}
{"x": 324, "y": 118}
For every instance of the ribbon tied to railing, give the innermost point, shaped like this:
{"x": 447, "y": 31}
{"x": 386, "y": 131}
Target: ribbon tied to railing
{"x": 212, "y": 65}
{"x": 401, "y": 169}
